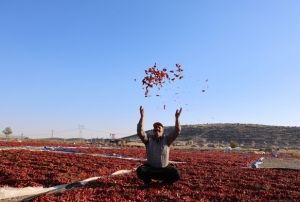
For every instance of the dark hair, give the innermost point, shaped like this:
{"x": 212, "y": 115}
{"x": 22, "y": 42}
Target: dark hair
{"x": 157, "y": 123}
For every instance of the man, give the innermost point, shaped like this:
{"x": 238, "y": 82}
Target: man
{"x": 157, "y": 148}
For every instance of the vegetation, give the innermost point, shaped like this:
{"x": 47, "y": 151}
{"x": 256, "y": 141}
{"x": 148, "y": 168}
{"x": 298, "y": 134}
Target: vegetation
{"x": 7, "y": 131}
{"x": 233, "y": 144}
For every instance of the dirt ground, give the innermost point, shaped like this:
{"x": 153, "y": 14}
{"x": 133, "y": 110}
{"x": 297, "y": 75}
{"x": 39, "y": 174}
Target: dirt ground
{"x": 286, "y": 163}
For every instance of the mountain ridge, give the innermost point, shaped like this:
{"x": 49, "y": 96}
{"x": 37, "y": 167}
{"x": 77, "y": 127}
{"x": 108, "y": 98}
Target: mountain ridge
{"x": 248, "y": 135}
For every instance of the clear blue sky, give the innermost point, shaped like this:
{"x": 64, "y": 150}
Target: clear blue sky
{"x": 65, "y": 63}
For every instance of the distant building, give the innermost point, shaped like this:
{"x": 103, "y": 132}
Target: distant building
{"x": 116, "y": 141}
{"x": 180, "y": 143}
{"x": 190, "y": 142}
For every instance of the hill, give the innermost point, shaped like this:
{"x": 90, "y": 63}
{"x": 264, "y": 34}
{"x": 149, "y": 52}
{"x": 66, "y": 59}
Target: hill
{"x": 246, "y": 135}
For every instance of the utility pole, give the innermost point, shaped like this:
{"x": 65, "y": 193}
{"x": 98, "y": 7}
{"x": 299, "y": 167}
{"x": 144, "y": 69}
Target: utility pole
{"x": 52, "y": 134}
{"x": 112, "y": 136}
{"x": 80, "y": 131}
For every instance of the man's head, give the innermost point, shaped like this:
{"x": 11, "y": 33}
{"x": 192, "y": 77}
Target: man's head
{"x": 158, "y": 129}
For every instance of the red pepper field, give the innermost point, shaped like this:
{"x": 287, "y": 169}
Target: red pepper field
{"x": 205, "y": 175}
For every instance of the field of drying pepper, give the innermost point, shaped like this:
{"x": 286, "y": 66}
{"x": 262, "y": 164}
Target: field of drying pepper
{"x": 205, "y": 175}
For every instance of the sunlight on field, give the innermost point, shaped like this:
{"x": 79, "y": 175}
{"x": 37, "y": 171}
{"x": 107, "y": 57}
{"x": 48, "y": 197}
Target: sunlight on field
{"x": 207, "y": 175}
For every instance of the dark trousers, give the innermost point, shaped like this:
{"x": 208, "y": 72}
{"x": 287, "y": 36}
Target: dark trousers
{"x": 168, "y": 174}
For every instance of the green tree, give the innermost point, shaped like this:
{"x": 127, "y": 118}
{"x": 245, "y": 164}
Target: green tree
{"x": 233, "y": 144}
{"x": 7, "y": 131}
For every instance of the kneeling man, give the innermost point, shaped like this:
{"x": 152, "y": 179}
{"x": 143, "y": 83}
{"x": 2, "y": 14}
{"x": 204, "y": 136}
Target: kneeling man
{"x": 157, "y": 148}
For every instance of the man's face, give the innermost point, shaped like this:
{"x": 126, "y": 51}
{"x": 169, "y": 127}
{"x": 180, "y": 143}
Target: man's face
{"x": 158, "y": 131}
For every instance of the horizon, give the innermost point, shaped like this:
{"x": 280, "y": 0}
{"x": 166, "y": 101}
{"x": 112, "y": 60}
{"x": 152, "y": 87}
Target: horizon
{"x": 88, "y": 138}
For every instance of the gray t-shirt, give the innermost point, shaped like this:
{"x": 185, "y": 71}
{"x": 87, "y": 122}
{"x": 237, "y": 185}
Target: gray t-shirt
{"x": 157, "y": 152}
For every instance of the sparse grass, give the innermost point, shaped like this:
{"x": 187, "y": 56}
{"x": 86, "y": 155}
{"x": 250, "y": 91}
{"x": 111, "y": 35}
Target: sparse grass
{"x": 291, "y": 152}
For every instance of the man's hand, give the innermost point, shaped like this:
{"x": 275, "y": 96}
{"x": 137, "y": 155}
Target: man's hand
{"x": 140, "y": 129}
{"x": 178, "y": 112}
{"x": 174, "y": 135}
{"x": 141, "y": 121}
{"x": 142, "y": 111}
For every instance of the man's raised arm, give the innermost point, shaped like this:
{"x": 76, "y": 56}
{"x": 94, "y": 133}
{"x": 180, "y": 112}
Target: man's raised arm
{"x": 177, "y": 130}
{"x": 140, "y": 129}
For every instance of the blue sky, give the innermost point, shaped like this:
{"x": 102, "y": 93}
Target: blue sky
{"x": 65, "y": 63}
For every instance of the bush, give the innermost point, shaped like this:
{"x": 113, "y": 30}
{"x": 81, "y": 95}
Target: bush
{"x": 269, "y": 149}
{"x": 233, "y": 144}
